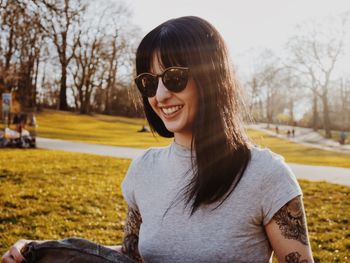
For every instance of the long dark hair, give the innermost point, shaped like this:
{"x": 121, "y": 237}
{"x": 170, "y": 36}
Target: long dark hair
{"x": 219, "y": 140}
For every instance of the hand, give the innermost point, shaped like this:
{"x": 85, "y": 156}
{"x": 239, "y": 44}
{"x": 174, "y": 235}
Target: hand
{"x": 13, "y": 255}
{"x": 117, "y": 248}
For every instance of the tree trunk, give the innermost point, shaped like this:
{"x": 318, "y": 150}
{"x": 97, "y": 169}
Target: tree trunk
{"x": 314, "y": 112}
{"x": 63, "y": 89}
{"x": 107, "y": 102}
{"x": 9, "y": 52}
{"x": 269, "y": 107}
{"x": 291, "y": 112}
{"x": 34, "y": 90}
{"x": 326, "y": 118}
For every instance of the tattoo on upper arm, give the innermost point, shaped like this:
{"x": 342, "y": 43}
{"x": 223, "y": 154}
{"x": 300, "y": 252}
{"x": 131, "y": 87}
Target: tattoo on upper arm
{"x": 294, "y": 257}
{"x": 131, "y": 234}
{"x": 291, "y": 221}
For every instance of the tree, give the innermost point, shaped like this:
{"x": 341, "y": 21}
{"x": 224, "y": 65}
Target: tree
{"x": 100, "y": 53}
{"x": 51, "y": 48}
{"x": 314, "y": 52}
{"x": 60, "y": 21}
{"x": 22, "y": 40}
{"x": 265, "y": 86}
{"x": 87, "y": 63}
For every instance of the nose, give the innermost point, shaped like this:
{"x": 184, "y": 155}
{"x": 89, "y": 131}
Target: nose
{"x": 162, "y": 93}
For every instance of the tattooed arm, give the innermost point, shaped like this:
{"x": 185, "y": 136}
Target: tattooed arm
{"x": 287, "y": 233}
{"x": 131, "y": 235}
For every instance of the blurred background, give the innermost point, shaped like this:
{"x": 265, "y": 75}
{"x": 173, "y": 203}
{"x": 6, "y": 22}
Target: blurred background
{"x": 67, "y": 89}
{"x": 292, "y": 57}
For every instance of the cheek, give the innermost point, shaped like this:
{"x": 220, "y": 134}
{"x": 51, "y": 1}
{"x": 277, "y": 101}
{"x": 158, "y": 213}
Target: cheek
{"x": 153, "y": 103}
{"x": 194, "y": 110}
{"x": 193, "y": 100}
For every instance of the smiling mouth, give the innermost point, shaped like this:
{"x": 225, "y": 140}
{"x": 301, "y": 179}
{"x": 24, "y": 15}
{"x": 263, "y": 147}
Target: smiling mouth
{"x": 171, "y": 110}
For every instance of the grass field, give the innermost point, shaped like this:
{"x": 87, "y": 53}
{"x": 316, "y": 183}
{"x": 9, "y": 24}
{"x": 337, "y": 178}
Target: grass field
{"x": 109, "y": 130}
{"x": 99, "y": 129}
{"x": 52, "y": 195}
{"x": 297, "y": 153}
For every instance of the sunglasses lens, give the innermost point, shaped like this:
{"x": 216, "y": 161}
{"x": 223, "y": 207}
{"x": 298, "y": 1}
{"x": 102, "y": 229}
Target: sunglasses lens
{"x": 175, "y": 79}
{"x": 147, "y": 84}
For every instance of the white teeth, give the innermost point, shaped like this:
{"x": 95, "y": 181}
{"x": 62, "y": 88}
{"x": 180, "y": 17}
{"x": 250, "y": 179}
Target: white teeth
{"x": 171, "y": 109}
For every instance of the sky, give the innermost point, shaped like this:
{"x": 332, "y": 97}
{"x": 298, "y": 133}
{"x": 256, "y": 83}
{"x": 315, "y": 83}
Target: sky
{"x": 246, "y": 25}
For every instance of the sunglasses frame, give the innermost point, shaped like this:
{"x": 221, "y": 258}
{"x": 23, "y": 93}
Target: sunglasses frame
{"x": 157, "y": 76}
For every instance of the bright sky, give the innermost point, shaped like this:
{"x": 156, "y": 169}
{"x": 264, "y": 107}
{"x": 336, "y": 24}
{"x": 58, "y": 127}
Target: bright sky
{"x": 244, "y": 24}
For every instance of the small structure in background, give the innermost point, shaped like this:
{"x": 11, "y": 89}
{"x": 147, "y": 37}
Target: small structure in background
{"x": 342, "y": 138}
{"x": 19, "y": 127}
{"x": 144, "y": 129}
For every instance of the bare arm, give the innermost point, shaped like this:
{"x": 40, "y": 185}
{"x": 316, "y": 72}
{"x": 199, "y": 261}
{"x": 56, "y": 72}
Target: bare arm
{"x": 14, "y": 255}
{"x": 287, "y": 233}
{"x": 131, "y": 235}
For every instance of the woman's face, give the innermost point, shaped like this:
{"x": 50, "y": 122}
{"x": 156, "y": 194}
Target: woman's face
{"x": 177, "y": 110}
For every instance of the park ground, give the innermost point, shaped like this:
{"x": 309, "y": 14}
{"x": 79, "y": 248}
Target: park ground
{"x": 53, "y": 194}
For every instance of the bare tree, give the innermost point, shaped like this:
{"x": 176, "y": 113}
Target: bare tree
{"x": 87, "y": 63}
{"x": 94, "y": 58}
{"x": 314, "y": 54}
{"x": 22, "y": 40}
{"x": 341, "y": 103}
{"x": 99, "y": 56}
{"x": 60, "y": 20}
{"x": 265, "y": 86}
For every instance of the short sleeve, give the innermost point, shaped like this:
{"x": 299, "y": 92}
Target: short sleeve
{"x": 129, "y": 186}
{"x": 278, "y": 187}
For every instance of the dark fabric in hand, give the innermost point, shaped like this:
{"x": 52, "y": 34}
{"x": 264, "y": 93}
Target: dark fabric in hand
{"x": 71, "y": 250}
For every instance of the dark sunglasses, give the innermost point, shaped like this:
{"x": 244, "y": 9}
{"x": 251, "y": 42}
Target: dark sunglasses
{"x": 174, "y": 79}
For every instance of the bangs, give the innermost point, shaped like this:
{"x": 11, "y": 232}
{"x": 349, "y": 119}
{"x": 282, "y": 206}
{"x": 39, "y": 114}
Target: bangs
{"x": 167, "y": 45}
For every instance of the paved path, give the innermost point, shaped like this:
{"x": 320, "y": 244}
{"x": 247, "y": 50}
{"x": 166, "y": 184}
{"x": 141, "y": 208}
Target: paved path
{"x": 308, "y": 172}
{"x": 304, "y": 136}
{"x": 104, "y": 150}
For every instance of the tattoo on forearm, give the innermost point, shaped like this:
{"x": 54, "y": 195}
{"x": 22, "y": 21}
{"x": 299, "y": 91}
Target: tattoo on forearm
{"x": 131, "y": 234}
{"x": 294, "y": 257}
{"x": 291, "y": 221}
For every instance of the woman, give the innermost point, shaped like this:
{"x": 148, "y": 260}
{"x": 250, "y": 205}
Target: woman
{"x": 210, "y": 196}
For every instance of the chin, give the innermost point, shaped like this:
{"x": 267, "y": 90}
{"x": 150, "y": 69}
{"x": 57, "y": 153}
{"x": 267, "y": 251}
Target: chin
{"x": 173, "y": 129}
{"x": 177, "y": 128}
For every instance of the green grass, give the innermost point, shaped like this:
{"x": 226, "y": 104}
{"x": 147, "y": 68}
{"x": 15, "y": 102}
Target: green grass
{"x": 52, "y": 195}
{"x": 297, "y": 153}
{"x": 99, "y": 129}
{"x": 120, "y": 131}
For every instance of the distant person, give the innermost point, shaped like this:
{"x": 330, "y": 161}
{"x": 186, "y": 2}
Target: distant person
{"x": 288, "y": 133}
{"x": 211, "y": 195}
{"x": 293, "y": 132}
{"x": 143, "y": 129}
{"x": 342, "y": 138}
{"x": 277, "y": 130}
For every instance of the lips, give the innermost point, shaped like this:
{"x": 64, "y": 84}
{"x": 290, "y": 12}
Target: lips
{"x": 170, "y": 111}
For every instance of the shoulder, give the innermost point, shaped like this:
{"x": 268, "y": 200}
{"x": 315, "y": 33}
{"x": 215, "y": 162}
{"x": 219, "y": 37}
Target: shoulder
{"x": 266, "y": 160}
{"x": 264, "y": 155}
{"x": 134, "y": 179}
{"x": 150, "y": 156}
{"x": 269, "y": 167}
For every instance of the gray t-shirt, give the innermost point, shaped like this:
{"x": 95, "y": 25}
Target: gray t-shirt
{"x": 234, "y": 232}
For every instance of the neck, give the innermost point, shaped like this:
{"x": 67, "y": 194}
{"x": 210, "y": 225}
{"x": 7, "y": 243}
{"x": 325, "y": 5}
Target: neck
{"x": 183, "y": 139}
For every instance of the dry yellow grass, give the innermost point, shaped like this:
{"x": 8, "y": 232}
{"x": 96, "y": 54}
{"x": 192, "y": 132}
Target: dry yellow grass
{"x": 53, "y": 195}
